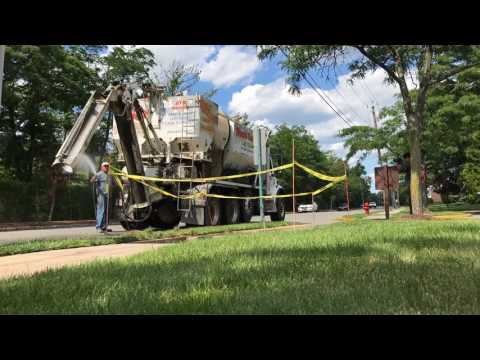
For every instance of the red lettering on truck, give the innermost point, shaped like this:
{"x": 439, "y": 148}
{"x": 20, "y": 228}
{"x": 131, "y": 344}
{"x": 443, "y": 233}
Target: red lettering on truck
{"x": 244, "y": 134}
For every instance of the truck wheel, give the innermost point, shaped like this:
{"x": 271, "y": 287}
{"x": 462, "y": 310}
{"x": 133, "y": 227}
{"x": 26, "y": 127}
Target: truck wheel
{"x": 246, "y": 210}
{"x": 131, "y": 225}
{"x": 280, "y": 214}
{"x": 213, "y": 212}
{"x": 232, "y": 211}
{"x": 165, "y": 215}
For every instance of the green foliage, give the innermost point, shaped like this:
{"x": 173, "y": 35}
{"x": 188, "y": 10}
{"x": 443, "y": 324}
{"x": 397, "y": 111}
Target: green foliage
{"x": 178, "y": 77}
{"x": 433, "y": 64}
{"x": 456, "y": 206}
{"x": 41, "y": 85}
{"x": 30, "y": 201}
{"x": 45, "y": 87}
{"x": 128, "y": 65}
{"x": 308, "y": 153}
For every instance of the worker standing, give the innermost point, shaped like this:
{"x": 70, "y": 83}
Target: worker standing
{"x": 101, "y": 184}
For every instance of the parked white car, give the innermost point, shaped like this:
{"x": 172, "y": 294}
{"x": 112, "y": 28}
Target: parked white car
{"x": 372, "y": 204}
{"x": 308, "y": 208}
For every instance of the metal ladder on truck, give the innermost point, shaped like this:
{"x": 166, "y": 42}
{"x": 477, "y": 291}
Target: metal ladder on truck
{"x": 188, "y": 125}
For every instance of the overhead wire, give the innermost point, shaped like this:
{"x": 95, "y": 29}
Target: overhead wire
{"x": 348, "y": 122}
{"x": 371, "y": 97}
{"x": 304, "y": 75}
{"x": 331, "y": 101}
{"x": 346, "y": 101}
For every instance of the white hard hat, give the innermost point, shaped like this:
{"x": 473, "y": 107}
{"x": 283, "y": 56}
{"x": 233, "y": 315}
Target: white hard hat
{"x": 105, "y": 163}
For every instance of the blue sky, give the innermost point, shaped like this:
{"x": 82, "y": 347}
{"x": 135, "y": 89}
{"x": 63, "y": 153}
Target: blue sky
{"x": 258, "y": 88}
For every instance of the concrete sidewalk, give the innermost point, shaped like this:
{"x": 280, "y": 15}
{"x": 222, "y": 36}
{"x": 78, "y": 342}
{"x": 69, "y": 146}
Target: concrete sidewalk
{"x": 28, "y": 264}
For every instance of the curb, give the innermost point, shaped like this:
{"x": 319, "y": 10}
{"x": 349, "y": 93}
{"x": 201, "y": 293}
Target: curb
{"x": 178, "y": 239}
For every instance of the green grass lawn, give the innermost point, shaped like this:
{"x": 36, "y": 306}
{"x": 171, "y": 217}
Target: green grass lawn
{"x": 95, "y": 240}
{"x": 368, "y": 267}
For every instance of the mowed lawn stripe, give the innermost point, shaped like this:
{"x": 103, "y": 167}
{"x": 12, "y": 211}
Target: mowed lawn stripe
{"x": 375, "y": 267}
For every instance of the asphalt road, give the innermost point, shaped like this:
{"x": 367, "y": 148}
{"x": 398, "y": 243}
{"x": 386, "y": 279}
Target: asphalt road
{"x": 318, "y": 218}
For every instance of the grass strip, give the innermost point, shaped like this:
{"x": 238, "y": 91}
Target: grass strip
{"x": 149, "y": 234}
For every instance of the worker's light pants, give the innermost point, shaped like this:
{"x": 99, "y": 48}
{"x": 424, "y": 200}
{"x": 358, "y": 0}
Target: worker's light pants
{"x": 101, "y": 211}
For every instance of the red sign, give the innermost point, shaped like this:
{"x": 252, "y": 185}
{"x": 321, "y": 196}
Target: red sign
{"x": 381, "y": 178}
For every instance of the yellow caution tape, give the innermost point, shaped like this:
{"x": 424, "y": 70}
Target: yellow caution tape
{"x": 219, "y": 196}
{"x": 119, "y": 182}
{"x": 142, "y": 179}
{"x": 201, "y": 180}
{"x": 319, "y": 175}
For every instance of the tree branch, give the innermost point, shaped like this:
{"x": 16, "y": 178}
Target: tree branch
{"x": 424, "y": 83}
{"x": 453, "y": 72}
{"x": 376, "y": 62}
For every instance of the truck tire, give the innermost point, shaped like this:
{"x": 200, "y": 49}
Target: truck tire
{"x": 213, "y": 212}
{"x": 131, "y": 225}
{"x": 232, "y": 211}
{"x": 246, "y": 210}
{"x": 165, "y": 215}
{"x": 280, "y": 214}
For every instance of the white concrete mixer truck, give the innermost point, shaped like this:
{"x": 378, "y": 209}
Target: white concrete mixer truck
{"x": 178, "y": 137}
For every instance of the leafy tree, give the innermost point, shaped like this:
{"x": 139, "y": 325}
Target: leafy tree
{"x": 179, "y": 78}
{"x": 308, "y": 153}
{"x": 451, "y": 136}
{"x": 127, "y": 65}
{"x": 42, "y": 84}
{"x": 390, "y": 136}
{"x": 449, "y": 139}
{"x": 44, "y": 88}
{"x": 433, "y": 64}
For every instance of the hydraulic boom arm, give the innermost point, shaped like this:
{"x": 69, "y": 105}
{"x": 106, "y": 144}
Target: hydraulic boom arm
{"x": 118, "y": 99}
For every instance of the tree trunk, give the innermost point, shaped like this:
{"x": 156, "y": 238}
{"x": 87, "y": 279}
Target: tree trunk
{"x": 52, "y": 199}
{"x": 415, "y": 164}
{"x": 103, "y": 150}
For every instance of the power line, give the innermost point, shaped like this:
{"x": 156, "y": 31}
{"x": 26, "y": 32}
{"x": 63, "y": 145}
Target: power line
{"x": 346, "y": 101}
{"x": 331, "y": 107}
{"x": 358, "y": 96}
{"x": 364, "y": 85}
{"x": 331, "y": 101}
{"x": 304, "y": 75}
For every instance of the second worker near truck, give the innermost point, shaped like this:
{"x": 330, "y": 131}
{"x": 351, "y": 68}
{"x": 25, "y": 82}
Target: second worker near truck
{"x": 101, "y": 185}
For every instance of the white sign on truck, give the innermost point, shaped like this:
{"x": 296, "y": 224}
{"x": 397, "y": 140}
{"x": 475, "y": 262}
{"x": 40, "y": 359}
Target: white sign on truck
{"x": 260, "y": 145}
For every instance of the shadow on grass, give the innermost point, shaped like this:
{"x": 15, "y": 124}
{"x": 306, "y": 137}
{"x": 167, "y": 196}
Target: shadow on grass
{"x": 324, "y": 279}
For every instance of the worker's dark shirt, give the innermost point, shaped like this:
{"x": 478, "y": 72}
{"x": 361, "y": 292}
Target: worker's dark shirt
{"x": 101, "y": 183}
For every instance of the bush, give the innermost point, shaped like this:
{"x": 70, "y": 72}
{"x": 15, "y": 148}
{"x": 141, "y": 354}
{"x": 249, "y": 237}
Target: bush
{"x": 456, "y": 206}
{"x": 29, "y": 201}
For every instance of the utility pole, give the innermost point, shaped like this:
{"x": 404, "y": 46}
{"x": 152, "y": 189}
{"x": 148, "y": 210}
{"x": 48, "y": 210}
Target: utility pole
{"x": 376, "y": 127}
{"x": 346, "y": 187}
{"x": 386, "y": 192}
{"x": 2, "y": 60}
{"x": 293, "y": 181}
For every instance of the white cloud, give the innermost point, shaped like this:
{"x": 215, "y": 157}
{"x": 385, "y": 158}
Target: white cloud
{"x": 272, "y": 103}
{"x": 222, "y": 66}
{"x": 231, "y": 65}
{"x": 264, "y": 122}
{"x": 186, "y": 54}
